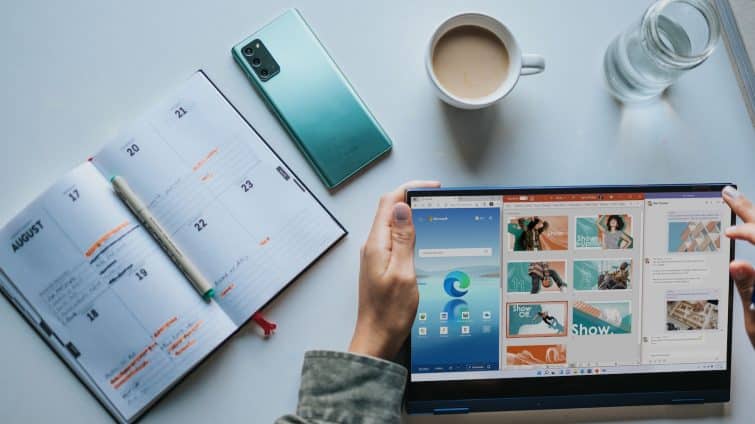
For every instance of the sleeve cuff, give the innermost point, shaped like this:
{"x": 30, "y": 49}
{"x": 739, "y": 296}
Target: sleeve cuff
{"x": 345, "y": 387}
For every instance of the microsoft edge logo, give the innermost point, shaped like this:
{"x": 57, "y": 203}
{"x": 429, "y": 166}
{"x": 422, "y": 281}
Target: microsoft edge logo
{"x": 456, "y": 283}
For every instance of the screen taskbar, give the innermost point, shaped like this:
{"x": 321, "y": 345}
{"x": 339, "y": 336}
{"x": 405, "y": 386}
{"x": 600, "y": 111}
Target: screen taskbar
{"x": 564, "y": 371}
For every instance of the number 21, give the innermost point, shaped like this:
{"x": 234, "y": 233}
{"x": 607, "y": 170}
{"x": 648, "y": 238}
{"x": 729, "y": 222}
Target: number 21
{"x": 180, "y": 112}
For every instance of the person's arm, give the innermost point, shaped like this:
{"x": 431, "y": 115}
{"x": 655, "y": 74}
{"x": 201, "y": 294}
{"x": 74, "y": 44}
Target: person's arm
{"x": 362, "y": 385}
{"x": 742, "y": 272}
{"x": 625, "y": 240}
{"x": 343, "y": 387}
{"x": 602, "y": 223}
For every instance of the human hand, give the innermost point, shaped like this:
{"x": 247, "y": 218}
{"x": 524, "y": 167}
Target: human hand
{"x": 388, "y": 293}
{"x": 741, "y": 271}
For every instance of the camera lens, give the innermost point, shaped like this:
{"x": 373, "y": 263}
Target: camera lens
{"x": 264, "y": 72}
{"x": 256, "y": 62}
{"x": 248, "y": 51}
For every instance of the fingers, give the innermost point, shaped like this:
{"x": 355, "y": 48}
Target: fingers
{"x": 379, "y": 238}
{"x": 402, "y": 242}
{"x": 739, "y": 204}
{"x": 385, "y": 208}
{"x": 742, "y": 232}
{"x": 743, "y": 275}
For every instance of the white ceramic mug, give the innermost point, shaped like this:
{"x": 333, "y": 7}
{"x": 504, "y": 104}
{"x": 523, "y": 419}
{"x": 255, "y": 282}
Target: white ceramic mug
{"x": 519, "y": 64}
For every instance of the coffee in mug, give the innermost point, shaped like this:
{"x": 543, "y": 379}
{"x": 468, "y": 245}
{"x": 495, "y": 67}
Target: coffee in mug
{"x": 470, "y": 62}
{"x": 473, "y": 61}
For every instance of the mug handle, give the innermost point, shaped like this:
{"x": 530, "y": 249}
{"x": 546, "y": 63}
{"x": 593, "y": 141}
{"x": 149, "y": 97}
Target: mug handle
{"x": 532, "y": 64}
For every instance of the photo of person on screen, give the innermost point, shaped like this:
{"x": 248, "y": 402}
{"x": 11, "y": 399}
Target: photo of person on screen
{"x": 516, "y": 228}
{"x": 534, "y": 229}
{"x": 613, "y": 234}
{"x": 612, "y": 280}
{"x": 550, "y": 321}
{"x": 541, "y": 273}
{"x": 527, "y": 232}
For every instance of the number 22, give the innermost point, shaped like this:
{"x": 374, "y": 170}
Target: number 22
{"x": 200, "y": 224}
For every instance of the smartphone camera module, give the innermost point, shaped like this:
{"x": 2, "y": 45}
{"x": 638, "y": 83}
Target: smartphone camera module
{"x": 259, "y": 58}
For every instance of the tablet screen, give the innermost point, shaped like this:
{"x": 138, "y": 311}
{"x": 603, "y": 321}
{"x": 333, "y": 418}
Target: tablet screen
{"x": 538, "y": 285}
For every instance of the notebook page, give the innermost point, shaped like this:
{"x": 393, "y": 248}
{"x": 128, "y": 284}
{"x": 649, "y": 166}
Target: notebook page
{"x": 227, "y": 201}
{"x": 113, "y": 303}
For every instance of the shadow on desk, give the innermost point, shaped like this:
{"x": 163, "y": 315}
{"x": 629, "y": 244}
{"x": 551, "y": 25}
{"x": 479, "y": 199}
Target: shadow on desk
{"x": 582, "y": 415}
{"x": 473, "y": 131}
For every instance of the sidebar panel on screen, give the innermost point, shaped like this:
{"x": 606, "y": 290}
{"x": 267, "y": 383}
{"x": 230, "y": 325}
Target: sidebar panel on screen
{"x": 457, "y": 259}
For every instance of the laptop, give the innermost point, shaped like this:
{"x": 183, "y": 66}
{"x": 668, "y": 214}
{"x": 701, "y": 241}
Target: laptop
{"x": 570, "y": 297}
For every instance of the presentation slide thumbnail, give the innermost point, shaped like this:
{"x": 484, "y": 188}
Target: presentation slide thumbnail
{"x": 691, "y": 310}
{"x": 535, "y": 277}
{"x": 601, "y": 318}
{"x": 602, "y": 274}
{"x": 604, "y": 232}
{"x": 537, "y": 319}
{"x": 535, "y": 233}
{"x": 694, "y": 236}
{"x": 535, "y": 355}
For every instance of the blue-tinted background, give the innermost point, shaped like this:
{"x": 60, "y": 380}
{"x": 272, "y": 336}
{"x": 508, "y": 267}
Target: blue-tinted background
{"x": 457, "y": 228}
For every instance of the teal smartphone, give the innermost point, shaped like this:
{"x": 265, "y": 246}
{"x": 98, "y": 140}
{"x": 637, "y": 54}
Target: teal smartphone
{"x": 312, "y": 98}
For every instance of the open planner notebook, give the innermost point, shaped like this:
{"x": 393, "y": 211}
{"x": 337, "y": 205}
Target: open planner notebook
{"x": 98, "y": 288}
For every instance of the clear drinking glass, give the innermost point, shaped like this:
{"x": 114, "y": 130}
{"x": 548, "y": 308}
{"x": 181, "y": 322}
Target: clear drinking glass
{"x": 672, "y": 37}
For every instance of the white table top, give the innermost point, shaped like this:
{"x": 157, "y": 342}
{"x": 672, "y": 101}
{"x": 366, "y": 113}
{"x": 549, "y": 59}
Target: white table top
{"x": 75, "y": 71}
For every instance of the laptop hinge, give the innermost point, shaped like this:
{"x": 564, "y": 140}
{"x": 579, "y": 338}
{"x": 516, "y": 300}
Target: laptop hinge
{"x": 688, "y": 400}
{"x": 444, "y": 411}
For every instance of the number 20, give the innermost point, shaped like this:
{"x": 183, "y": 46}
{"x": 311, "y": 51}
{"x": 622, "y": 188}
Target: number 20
{"x": 132, "y": 150}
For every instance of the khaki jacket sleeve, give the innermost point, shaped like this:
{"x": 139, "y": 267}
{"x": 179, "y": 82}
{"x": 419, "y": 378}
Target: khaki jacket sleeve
{"x": 341, "y": 387}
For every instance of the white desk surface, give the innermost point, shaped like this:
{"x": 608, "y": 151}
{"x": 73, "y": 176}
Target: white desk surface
{"x": 73, "y": 72}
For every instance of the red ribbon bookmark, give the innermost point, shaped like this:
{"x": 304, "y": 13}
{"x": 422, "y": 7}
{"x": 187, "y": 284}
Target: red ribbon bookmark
{"x": 267, "y": 326}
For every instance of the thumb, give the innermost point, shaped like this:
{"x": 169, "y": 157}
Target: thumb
{"x": 402, "y": 240}
{"x": 744, "y": 276}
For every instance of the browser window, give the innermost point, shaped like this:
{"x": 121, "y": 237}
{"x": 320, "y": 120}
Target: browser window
{"x": 569, "y": 284}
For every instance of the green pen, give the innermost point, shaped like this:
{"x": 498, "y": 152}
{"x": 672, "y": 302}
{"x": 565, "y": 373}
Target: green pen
{"x": 190, "y": 271}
